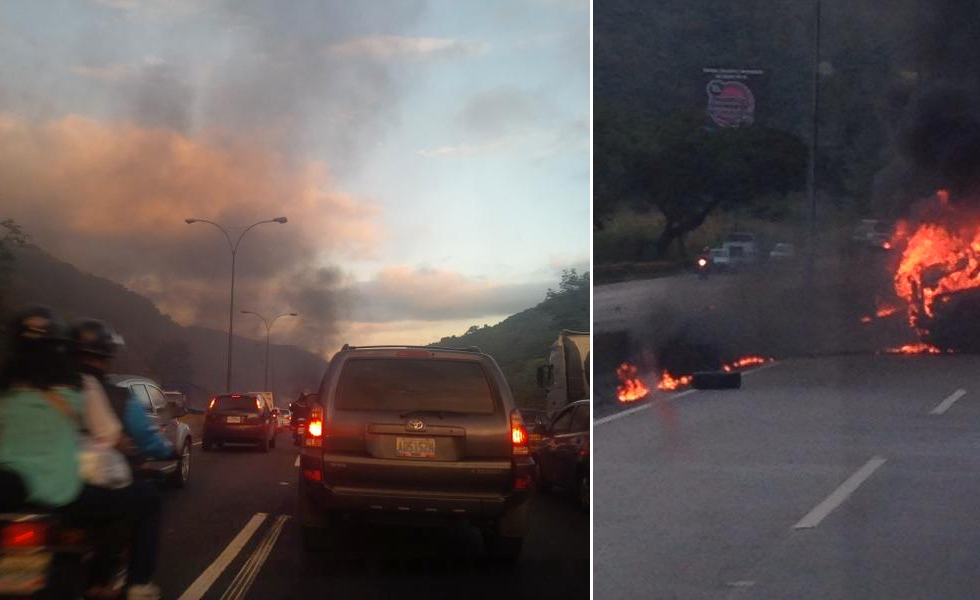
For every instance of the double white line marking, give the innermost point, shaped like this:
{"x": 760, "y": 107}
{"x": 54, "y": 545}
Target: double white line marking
{"x": 249, "y": 570}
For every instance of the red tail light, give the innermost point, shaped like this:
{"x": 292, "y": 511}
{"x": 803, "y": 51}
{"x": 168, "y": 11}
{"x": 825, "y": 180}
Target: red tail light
{"x": 24, "y": 535}
{"x": 313, "y": 474}
{"x": 523, "y": 482}
{"x": 315, "y": 428}
{"x": 258, "y": 405}
{"x": 518, "y": 434}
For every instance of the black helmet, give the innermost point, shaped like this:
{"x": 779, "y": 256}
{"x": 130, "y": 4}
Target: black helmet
{"x": 35, "y": 328}
{"x": 37, "y": 344}
{"x": 95, "y": 338}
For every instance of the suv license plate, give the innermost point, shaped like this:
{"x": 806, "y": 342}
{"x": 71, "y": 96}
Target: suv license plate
{"x": 234, "y": 420}
{"x": 414, "y": 447}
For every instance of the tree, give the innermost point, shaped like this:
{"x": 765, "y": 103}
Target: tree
{"x": 568, "y": 306}
{"x": 696, "y": 171}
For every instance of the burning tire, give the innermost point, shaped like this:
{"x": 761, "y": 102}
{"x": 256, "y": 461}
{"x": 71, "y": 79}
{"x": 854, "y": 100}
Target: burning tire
{"x": 712, "y": 380}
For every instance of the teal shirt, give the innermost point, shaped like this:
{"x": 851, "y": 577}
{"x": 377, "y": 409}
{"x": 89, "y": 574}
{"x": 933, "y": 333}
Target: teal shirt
{"x": 40, "y": 443}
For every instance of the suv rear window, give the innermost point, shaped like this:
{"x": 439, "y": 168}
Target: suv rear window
{"x": 414, "y": 384}
{"x": 235, "y": 403}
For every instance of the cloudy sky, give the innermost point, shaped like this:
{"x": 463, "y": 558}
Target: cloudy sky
{"x": 431, "y": 156}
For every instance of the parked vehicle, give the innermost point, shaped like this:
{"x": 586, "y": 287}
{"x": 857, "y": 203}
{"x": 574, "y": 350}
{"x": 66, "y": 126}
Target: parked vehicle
{"x": 165, "y": 413}
{"x": 782, "y": 252}
{"x": 240, "y": 418}
{"x": 562, "y": 456}
{"x": 719, "y": 259}
{"x": 742, "y": 248}
{"x": 418, "y": 434}
{"x": 566, "y": 376}
{"x": 874, "y": 233}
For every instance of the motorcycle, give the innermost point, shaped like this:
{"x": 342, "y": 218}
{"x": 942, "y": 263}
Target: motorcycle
{"x": 43, "y": 557}
{"x": 703, "y": 265}
{"x": 299, "y": 428}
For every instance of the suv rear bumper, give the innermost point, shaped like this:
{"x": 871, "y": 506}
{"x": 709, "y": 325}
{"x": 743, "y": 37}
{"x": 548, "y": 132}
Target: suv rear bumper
{"x": 407, "y": 504}
{"x": 410, "y": 502}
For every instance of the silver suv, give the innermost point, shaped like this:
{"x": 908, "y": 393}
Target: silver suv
{"x": 422, "y": 434}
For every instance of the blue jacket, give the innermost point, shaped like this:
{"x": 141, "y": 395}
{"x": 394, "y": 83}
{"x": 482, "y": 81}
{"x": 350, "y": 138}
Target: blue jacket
{"x": 137, "y": 425}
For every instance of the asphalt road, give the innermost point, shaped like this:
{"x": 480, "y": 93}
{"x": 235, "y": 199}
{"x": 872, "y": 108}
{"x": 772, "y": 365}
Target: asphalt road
{"x": 849, "y": 477}
{"x": 232, "y": 488}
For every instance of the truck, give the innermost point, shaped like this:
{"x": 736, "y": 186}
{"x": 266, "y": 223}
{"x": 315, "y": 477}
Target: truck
{"x": 566, "y": 376}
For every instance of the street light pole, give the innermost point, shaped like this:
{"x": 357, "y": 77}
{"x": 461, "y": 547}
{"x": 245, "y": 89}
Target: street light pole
{"x": 233, "y": 246}
{"x": 812, "y": 173}
{"x": 268, "y": 329}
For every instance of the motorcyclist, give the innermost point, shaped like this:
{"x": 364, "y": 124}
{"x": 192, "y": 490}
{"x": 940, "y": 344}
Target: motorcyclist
{"x": 300, "y": 411}
{"x": 95, "y": 345}
{"x": 301, "y": 408}
{"x": 704, "y": 262}
{"x": 41, "y": 419}
{"x": 39, "y": 437}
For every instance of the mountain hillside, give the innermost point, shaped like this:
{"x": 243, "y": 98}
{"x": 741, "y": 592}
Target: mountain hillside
{"x": 192, "y": 358}
{"x": 521, "y": 343}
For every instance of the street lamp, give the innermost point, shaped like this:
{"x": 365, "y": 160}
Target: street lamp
{"x": 268, "y": 329}
{"x": 812, "y": 173}
{"x": 234, "y": 250}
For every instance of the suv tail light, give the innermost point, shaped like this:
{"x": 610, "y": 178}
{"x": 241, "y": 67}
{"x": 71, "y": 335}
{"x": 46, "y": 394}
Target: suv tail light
{"x": 314, "y": 428}
{"x": 518, "y": 434}
{"x": 30, "y": 534}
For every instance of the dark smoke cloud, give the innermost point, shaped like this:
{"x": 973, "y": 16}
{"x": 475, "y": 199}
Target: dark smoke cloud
{"x": 938, "y": 136}
{"x": 942, "y": 138}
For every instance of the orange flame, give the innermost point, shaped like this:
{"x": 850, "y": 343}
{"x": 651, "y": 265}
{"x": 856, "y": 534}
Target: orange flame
{"x": 748, "y": 361}
{"x": 936, "y": 261}
{"x": 919, "y": 348}
{"x": 670, "y": 383}
{"x": 886, "y": 311}
{"x": 632, "y": 387}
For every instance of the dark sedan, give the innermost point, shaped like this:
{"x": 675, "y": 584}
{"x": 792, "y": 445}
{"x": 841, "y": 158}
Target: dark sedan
{"x": 562, "y": 455}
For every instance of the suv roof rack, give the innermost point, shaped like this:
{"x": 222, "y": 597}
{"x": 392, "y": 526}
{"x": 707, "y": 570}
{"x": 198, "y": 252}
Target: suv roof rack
{"x": 383, "y": 346}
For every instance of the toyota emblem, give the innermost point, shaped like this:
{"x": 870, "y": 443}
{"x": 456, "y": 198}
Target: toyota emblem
{"x": 415, "y": 425}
